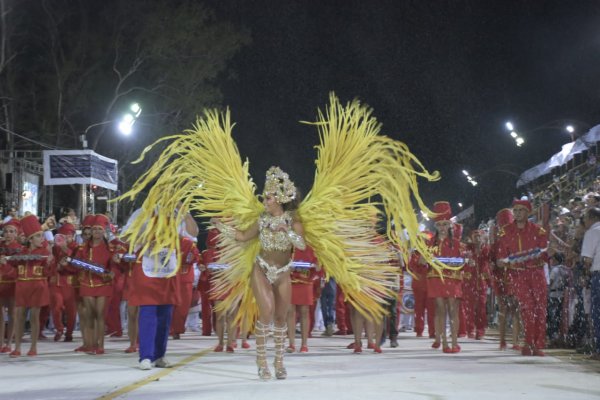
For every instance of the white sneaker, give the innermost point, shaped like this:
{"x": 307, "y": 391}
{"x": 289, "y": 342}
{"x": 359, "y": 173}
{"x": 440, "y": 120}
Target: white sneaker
{"x": 162, "y": 363}
{"x": 145, "y": 364}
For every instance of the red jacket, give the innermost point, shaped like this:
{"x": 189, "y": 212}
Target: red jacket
{"x": 513, "y": 241}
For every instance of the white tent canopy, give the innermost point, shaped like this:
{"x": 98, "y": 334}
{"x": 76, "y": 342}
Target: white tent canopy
{"x": 567, "y": 153}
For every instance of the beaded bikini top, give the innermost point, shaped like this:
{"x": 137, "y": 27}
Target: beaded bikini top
{"x": 270, "y": 239}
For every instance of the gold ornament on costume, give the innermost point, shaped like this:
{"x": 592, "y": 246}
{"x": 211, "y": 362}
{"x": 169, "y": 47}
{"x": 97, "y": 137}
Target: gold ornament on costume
{"x": 279, "y": 185}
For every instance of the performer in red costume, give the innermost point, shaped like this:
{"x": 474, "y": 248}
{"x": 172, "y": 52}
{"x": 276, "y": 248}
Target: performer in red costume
{"x": 8, "y": 247}
{"x": 208, "y": 256}
{"x": 523, "y": 248}
{"x": 447, "y": 292}
{"x": 112, "y": 313}
{"x": 476, "y": 276}
{"x": 503, "y": 285}
{"x": 31, "y": 289}
{"x": 457, "y": 233}
{"x": 423, "y": 303}
{"x": 62, "y": 293}
{"x": 96, "y": 288}
{"x": 155, "y": 288}
{"x": 190, "y": 257}
{"x": 302, "y": 296}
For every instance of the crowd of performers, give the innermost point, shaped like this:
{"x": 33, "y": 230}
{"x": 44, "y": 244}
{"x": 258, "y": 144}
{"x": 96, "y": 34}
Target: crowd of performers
{"x": 50, "y": 280}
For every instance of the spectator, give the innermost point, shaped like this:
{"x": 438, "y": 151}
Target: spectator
{"x": 590, "y": 252}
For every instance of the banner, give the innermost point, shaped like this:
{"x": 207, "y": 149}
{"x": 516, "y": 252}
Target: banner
{"x": 66, "y": 167}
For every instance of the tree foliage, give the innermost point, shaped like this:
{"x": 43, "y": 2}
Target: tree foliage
{"x": 74, "y": 66}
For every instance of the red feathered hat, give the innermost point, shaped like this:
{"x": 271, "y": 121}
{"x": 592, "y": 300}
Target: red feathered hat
{"x": 504, "y": 217}
{"x": 442, "y": 210}
{"x": 66, "y": 229}
{"x": 522, "y": 203}
{"x": 30, "y": 225}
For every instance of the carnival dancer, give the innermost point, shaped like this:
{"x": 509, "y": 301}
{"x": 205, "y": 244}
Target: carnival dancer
{"x": 155, "y": 288}
{"x": 8, "y": 247}
{"x": 304, "y": 272}
{"x": 62, "y": 293}
{"x": 96, "y": 288}
{"x": 279, "y": 232}
{"x": 203, "y": 167}
{"x": 31, "y": 289}
{"x": 82, "y": 240}
{"x": 476, "y": 275}
{"x": 447, "y": 292}
{"x": 190, "y": 257}
{"x": 523, "y": 248}
{"x": 508, "y": 305}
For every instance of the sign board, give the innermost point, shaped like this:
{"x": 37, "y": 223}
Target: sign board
{"x": 66, "y": 167}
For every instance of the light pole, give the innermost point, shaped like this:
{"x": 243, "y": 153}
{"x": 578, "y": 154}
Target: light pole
{"x": 559, "y": 124}
{"x": 125, "y": 126}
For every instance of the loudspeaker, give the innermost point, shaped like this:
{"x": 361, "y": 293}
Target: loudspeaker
{"x": 8, "y": 182}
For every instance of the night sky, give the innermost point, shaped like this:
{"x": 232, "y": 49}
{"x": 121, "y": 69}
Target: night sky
{"x": 442, "y": 76}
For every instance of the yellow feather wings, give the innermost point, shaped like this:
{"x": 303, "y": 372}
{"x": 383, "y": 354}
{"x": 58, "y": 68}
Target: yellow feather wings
{"x": 356, "y": 166}
{"x": 202, "y": 168}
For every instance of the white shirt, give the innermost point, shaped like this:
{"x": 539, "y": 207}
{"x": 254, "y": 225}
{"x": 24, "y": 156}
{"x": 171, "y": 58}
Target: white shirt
{"x": 591, "y": 246}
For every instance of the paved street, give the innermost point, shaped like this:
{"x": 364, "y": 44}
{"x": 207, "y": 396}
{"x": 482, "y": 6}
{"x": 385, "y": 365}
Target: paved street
{"x": 328, "y": 371}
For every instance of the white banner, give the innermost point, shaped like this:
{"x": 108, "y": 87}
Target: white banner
{"x": 66, "y": 167}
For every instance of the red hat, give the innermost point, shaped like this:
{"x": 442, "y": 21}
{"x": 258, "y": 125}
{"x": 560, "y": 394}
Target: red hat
{"x": 522, "y": 203}
{"x": 66, "y": 229}
{"x": 442, "y": 210}
{"x": 211, "y": 239}
{"x": 88, "y": 220}
{"x": 13, "y": 222}
{"x": 101, "y": 220}
{"x": 30, "y": 225}
{"x": 457, "y": 231}
{"x": 504, "y": 217}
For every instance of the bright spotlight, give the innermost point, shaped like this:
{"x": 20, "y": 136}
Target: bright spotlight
{"x": 509, "y": 126}
{"x": 520, "y": 141}
{"x": 135, "y": 107}
{"x": 513, "y": 134}
{"x": 570, "y": 128}
{"x": 465, "y": 172}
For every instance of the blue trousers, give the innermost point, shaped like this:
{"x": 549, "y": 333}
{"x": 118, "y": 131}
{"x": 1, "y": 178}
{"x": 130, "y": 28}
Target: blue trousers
{"x": 328, "y": 302}
{"x": 154, "y": 323}
{"x": 596, "y": 307}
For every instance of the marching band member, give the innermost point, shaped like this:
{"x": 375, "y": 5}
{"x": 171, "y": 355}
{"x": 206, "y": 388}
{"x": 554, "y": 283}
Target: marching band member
{"x": 10, "y": 246}
{"x": 155, "y": 288}
{"x": 62, "y": 293}
{"x": 476, "y": 275}
{"x": 447, "y": 292}
{"x": 302, "y": 296}
{"x": 523, "y": 248}
{"x": 95, "y": 287}
{"x": 31, "y": 289}
{"x": 190, "y": 256}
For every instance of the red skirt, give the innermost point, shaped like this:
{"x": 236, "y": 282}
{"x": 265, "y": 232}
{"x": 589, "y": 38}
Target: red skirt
{"x": 32, "y": 293}
{"x": 448, "y": 288}
{"x": 302, "y": 294}
{"x": 98, "y": 291}
{"x": 7, "y": 290}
